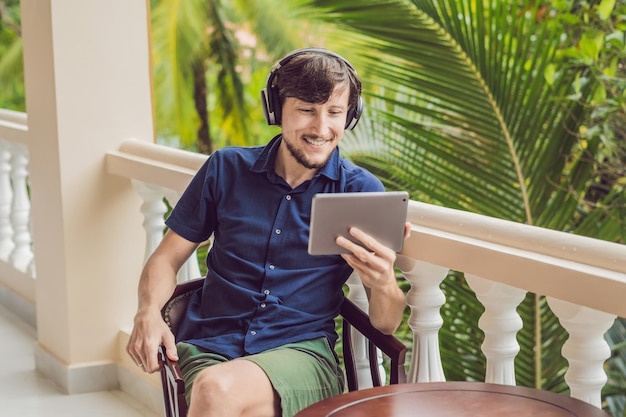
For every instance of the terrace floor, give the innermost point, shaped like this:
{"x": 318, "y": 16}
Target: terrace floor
{"x": 26, "y": 393}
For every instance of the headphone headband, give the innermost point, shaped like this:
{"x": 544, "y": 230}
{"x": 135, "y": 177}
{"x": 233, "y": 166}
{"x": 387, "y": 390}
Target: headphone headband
{"x": 302, "y": 51}
{"x": 270, "y": 99}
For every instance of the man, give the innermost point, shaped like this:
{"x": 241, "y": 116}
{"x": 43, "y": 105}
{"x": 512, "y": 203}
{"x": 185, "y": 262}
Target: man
{"x": 258, "y": 339}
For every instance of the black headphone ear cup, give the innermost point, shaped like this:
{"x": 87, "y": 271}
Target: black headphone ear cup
{"x": 277, "y": 107}
{"x": 354, "y": 114}
{"x": 269, "y": 115}
{"x": 271, "y": 105}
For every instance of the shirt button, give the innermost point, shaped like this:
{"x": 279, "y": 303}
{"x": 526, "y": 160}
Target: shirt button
{"x": 266, "y": 292}
{"x": 262, "y": 305}
{"x": 253, "y": 333}
{"x": 278, "y": 231}
{"x": 272, "y": 267}
{"x": 288, "y": 198}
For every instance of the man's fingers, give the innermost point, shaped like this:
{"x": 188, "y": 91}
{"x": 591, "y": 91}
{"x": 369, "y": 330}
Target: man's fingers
{"x": 375, "y": 247}
{"x": 151, "y": 359}
{"x": 135, "y": 358}
{"x": 133, "y": 351}
{"x": 144, "y": 355}
{"x": 364, "y": 238}
{"x": 170, "y": 348}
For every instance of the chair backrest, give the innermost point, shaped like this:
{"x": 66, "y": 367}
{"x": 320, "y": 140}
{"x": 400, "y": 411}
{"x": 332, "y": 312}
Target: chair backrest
{"x": 352, "y": 317}
{"x": 171, "y": 377}
{"x": 175, "y": 308}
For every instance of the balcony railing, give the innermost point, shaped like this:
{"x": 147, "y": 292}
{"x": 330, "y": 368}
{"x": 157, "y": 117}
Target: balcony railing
{"x": 17, "y": 267}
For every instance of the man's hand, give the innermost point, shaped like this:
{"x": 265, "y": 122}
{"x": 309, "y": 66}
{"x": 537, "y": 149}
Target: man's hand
{"x": 156, "y": 286}
{"x": 148, "y": 333}
{"x": 375, "y": 265}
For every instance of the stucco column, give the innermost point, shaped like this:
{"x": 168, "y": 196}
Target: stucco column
{"x": 87, "y": 73}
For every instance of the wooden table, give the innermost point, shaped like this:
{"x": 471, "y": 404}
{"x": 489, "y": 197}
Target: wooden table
{"x": 451, "y": 399}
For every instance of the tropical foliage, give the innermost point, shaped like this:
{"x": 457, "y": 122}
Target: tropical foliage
{"x": 493, "y": 107}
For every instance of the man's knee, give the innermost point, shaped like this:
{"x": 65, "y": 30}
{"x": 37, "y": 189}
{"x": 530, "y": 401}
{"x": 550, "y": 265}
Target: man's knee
{"x": 240, "y": 387}
{"x": 212, "y": 385}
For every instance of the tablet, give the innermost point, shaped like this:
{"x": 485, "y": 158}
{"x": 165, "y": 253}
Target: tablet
{"x": 380, "y": 214}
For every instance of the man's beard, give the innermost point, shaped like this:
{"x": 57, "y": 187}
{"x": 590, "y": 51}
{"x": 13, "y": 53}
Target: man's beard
{"x": 301, "y": 158}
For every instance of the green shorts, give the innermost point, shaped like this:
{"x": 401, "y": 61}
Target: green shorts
{"x": 301, "y": 373}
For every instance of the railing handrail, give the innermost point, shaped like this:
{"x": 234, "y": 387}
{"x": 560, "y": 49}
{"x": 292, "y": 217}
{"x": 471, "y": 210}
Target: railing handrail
{"x": 546, "y": 260}
{"x": 13, "y": 116}
{"x": 13, "y": 125}
{"x": 162, "y": 153}
{"x": 563, "y": 245}
{"x": 154, "y": 164}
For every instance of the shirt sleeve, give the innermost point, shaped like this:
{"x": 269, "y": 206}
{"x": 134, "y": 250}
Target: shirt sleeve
{"x": 194, "y": 216}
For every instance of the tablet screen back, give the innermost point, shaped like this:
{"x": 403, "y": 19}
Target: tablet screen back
{"x": 380, "y": 214}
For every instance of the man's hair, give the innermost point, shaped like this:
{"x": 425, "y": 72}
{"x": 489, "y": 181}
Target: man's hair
{"x": 313, "y": 76}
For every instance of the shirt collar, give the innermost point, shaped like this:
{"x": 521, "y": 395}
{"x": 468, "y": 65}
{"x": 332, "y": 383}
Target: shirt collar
{"x": 265, "y": 161}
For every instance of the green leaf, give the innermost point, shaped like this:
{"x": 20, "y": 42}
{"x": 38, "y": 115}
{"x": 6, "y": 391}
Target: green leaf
{"x": 605, "y": 8}
{"x": 599, "y": 96}
{"x": 590, "y": 45}
{"x": 550, "y": 74}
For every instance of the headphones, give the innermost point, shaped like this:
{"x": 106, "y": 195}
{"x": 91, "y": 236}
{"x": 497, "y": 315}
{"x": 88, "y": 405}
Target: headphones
{"x": 270, "y": 99}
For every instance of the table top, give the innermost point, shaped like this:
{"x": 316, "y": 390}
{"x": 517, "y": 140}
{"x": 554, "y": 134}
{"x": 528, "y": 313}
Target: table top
{"x": 451, "y": 399}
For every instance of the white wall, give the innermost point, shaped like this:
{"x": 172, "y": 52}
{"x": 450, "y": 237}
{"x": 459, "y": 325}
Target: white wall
{"x": 87, "y": 73}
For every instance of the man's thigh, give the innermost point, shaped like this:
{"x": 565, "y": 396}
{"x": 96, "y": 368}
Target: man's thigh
{"x": 299, "y": 373}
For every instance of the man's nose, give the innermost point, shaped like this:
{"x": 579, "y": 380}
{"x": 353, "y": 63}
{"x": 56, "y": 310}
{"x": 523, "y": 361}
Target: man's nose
{"x": 322, "y": 124}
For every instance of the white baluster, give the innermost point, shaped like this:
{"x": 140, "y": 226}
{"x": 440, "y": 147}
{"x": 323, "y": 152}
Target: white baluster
{"x": 190, "y": 269}
{"x": 22, "y": 255}
{"x": 425, "y": 299}
{"x": 357, "y": 293}
{"x": 153, "y": 210}
{"x": 358, "y": 296}
{"x": 30, "y": 269}
{"x": 6, "y": 200}
{"x": 585, "y": 349}
{"x": 500, "y": 322}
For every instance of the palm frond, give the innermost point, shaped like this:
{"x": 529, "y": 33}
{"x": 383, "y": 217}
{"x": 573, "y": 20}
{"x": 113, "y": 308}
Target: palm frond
{"x": 463, "y": 97}
{"x": 178, "y": 33}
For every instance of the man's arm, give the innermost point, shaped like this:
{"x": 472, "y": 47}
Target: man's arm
{"x": 156, "y": 285}
{"x": 376, "y": 270}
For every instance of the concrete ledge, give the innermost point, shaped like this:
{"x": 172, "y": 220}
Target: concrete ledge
{"x": 141, "y": 390}
{"x": 77, "y": 379}
{"x": 18, "y": 306}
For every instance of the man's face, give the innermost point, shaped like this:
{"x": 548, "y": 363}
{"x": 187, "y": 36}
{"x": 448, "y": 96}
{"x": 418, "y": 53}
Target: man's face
{"x": 312, "y": 131}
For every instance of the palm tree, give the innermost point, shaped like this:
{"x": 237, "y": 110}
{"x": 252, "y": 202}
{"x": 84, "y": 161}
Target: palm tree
{"x": 211, "y": 59}
{"x": 474, "y": 105}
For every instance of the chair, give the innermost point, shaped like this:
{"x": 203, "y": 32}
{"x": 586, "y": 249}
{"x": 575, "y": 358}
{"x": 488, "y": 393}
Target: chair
{"x": 352, "y": 317}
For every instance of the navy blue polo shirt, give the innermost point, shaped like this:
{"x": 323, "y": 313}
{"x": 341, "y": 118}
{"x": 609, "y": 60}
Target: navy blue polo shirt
{"x": 263, "y": 289}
